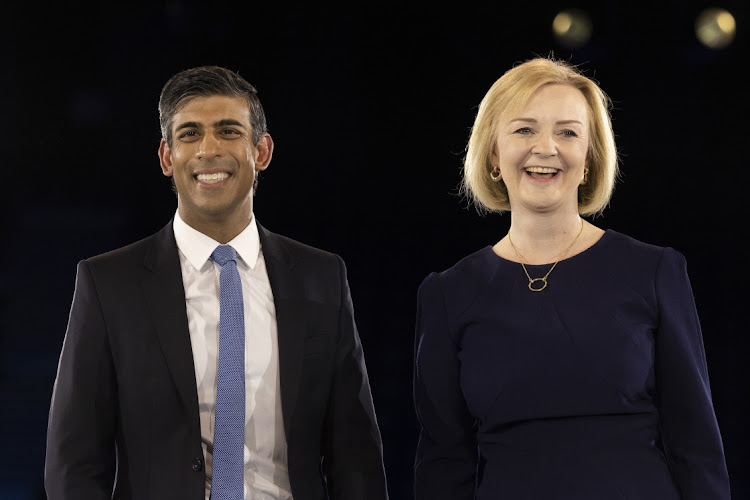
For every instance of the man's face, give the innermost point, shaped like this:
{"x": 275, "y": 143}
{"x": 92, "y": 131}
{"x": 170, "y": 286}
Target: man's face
{"x": 213, "y": 160}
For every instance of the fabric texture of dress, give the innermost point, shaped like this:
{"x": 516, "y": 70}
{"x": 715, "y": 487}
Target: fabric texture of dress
{"x": 594, "y": 388}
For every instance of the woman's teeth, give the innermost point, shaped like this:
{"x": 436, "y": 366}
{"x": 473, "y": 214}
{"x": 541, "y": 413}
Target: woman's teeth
{"x": 541, "y": 170}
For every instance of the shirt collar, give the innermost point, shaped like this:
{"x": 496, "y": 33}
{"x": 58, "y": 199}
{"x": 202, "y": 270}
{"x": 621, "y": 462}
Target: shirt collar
{"x": 198, "y": 247}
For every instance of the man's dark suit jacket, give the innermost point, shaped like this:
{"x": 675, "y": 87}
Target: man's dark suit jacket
{"x": 124, "y": 413}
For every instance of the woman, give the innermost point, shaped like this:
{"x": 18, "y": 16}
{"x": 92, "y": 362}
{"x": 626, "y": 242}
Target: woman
{"x": 565, "y": 361}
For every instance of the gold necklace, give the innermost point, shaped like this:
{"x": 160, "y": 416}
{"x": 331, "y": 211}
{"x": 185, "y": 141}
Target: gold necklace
{"x": 543, "y": 279}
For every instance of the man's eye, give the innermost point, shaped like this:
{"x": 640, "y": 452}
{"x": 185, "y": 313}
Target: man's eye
{"x": 188, "y": 134}
{"x": 230, "y": 131}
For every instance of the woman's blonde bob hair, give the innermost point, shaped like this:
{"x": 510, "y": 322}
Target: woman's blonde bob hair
{"x": 507, "y": 96}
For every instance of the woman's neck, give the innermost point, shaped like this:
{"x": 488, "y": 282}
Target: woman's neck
{"x": 544, "y": 238}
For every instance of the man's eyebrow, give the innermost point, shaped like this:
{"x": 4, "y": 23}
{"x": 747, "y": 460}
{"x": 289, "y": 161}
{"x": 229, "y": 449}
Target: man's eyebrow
{"x": 229, "y": 121}
{"x": 221, "y": 123}
{"x": 186, "y": 125}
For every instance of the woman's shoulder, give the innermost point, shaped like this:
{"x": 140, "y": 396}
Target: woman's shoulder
{"x": 620, "y": 242}
{"x": 470, "y": 267}
{"x": 637, "y": 255}
{"x": 459, "y": 284}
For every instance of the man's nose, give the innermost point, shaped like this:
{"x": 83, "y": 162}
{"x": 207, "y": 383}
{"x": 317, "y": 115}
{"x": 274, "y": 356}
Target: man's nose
{"x": 209, "y": 147}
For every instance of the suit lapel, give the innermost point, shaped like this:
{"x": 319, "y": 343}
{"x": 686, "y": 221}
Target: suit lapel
{"x": 165, "y": 297}
{"x": 288, "y": 297}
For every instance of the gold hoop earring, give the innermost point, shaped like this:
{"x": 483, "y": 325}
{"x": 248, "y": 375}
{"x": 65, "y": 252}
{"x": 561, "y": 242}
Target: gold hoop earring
{"x": 495, "y": 175}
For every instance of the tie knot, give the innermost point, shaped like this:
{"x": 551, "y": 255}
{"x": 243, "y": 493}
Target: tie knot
{"x": 223, "y": 254}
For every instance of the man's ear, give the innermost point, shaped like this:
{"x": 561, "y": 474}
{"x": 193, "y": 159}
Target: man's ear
{"x": 165, "y": 158}
{"x": 265, "y": 152}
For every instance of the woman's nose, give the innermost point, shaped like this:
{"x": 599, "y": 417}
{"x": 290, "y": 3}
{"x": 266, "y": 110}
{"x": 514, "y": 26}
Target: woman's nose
{"x": 545, "y": 145}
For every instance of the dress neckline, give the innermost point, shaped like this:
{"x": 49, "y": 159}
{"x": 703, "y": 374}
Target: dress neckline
{"x": 605, "y": 236}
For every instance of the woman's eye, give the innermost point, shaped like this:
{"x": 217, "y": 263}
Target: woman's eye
{"x": 523, "y": 130}
{"x": 569, "y": 133}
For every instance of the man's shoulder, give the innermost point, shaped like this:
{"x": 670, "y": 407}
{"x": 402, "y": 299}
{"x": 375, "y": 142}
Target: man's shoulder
{"x": 136, "y": 251}
{"x": 279, "y": 245}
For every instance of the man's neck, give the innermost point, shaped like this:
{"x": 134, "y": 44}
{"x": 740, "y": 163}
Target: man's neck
{"x": 221, "y": 229}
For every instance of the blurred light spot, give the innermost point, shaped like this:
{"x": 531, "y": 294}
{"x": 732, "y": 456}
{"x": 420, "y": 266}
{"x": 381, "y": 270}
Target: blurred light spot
{"x": 715, "y": 28}
{"x": 572, "y": 28}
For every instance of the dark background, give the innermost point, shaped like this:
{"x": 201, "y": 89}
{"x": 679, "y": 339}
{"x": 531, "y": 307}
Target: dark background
{"x": 370, "y": 108}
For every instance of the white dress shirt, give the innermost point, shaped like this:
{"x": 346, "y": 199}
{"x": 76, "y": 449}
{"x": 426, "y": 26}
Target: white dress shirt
{"x": 266, "y": 473}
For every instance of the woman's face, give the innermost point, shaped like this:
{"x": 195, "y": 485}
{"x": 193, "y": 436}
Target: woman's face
{"x": 541, "y": 151}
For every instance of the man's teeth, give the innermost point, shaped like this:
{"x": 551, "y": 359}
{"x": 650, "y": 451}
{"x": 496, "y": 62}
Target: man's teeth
{"x": 541, "y": 170}
{"x": 212, "y": 178}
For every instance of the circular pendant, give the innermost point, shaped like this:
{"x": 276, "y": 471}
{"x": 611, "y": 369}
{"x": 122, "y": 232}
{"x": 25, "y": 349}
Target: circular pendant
{"x": 542, "y": 280}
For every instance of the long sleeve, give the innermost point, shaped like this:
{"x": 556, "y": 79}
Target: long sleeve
{"x": 353, "y": 454}
{"x": 690, "y": 432}
{"x": 80, "y": 461}
{"x": 446, "y": 459}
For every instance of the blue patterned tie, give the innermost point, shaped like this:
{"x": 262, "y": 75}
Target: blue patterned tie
{"x": 229, "y": 431}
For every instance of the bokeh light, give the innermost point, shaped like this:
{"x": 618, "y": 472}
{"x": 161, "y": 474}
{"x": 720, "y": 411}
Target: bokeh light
{"x": 572, "y": 28}
{"x": 715, "y": 28}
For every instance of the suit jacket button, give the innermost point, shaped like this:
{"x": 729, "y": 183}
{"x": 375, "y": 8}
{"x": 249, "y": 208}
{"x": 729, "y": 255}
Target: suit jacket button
{"x": 197, "y": 464}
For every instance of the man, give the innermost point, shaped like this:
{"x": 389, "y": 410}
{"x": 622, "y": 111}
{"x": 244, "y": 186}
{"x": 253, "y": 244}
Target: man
{"x": 136, "y": 412}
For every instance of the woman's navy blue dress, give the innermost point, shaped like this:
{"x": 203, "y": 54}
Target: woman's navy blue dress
{"x": 594, "y": 388}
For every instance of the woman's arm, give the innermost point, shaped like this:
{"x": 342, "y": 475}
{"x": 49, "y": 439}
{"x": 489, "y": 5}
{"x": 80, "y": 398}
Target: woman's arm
{"x": 446, "y": 460}
{"x": 690, "y": 432}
